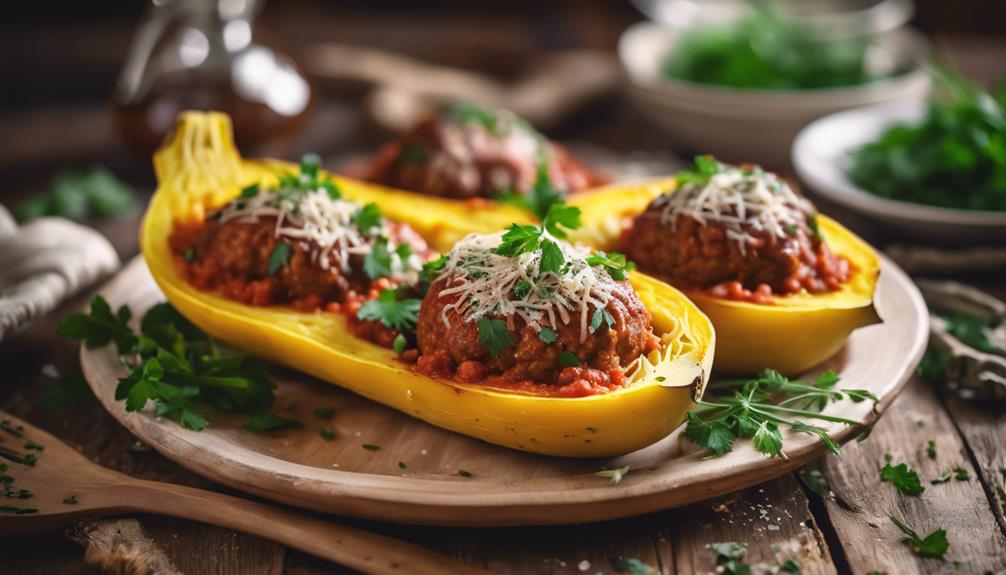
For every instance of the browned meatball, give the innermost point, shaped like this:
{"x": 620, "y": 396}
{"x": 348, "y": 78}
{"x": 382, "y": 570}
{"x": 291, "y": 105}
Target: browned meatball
{"x": 233, "y": 257}
{"x": 442, "y": 156}
{"x": 445, "y": 348}
{"x": 694, "y": 255}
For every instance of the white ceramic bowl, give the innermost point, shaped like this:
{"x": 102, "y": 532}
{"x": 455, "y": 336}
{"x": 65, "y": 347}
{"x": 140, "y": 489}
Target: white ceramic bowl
{"x": 821, "y": 158}
{"x": 750, "y": 125}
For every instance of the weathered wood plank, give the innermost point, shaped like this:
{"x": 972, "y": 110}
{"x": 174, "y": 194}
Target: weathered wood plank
{"x": 862, "y": 504}
{"x": 984, "y": 431}
{"x": 194, "y": 548}
{"x": 773, "y": 519}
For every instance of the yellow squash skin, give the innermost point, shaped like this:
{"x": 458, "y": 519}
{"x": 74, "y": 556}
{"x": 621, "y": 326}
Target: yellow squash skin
{"x": 792, "y": 334}
{"x": 199, "y": 169}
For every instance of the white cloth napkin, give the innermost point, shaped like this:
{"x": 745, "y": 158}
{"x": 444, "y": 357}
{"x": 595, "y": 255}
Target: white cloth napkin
{"x": 44, "y": 262}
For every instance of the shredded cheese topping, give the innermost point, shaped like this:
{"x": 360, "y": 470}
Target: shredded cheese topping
{"x": 742, "y": 201}
{"x": 483, "y": 282}
{"x": 324, "y": 225}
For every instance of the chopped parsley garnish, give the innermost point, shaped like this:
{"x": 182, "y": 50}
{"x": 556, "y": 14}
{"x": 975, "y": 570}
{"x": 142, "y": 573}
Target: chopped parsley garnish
{"x": 71, "y": 500}
{"x": 402, "y": 465}
{"x": 371, "y": 447}
{"x": 464, "y": 473}
{"x": 541, "y": 197}
{"x": 249, "y": 191}
{"x": 705, "y": 168}
{"x": 961, "y": 474}
{"x": 547, "y": 335}
{"x": 32, "y": 446}
{"x": 429, "y": 273}
{"x": 279, "y": 257}
{"x": 493, "y": 335}
{"x": 377, "y": 262}
{"x": 327, "y": 433}
{"x": 368, "y": 217}
{"x": 615, "y": 475}
{"x": 399, "y": 343}
{"x": 931, "y": 449}
{"x": 934, "y": 545}
{"x": 902, "y": 477}
{"x": 189, "y": 255}
{"x": 262, "y": 422}
{"x": 755, "y": 409}
{"x": 398, "y": 314}
{"x": 176, "y": 365}
{"x": 616, "y": 264}
{"x": 600, "y": 316}
{"x": 730, "y": 558}
{"x": 324, "y": 413}
{"x": 568, "y": 359}
{"x": 943, "y": 478}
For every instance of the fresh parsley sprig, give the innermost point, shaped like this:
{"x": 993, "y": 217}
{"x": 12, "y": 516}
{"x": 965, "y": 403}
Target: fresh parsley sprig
{"x": 705, "y": 168}
{"x": 393, "y": 309}
{"x": 933, "y": 546}
{"x": 173, "y": 364}
{"x": 756, "y": 408}
{"x": 542, "y": 195}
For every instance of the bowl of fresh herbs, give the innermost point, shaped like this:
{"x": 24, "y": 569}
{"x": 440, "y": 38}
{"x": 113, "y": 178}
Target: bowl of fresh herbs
{"x": 743, "y": 88}
{"x": 935, "y": 171}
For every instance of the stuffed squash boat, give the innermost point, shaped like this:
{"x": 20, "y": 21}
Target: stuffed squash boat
{"x": 517, "y": 337}
{"x": 784, "y": 285}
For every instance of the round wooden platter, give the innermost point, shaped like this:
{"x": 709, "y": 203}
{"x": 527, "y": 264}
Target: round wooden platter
{"x": 423, "y": 474}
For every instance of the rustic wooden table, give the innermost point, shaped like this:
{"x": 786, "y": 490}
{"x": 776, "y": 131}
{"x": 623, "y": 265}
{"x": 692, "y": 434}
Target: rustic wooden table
{"x": 847, "y": 531}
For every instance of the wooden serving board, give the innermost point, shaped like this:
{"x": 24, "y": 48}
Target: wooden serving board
{"x": 423, "y": 474}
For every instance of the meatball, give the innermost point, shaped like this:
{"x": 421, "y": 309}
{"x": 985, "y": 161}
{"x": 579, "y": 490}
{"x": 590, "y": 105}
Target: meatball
{"x": 444, "y": 157}
{"x": 232, "y": 257}
{"x": 696, "y": 255}
{"x": 454, "y": 349}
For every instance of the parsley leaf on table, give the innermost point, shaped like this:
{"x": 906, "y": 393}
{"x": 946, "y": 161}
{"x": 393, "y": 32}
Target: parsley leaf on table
{"x": 730, "y": 558}
{"x": 934, "y": 545}
{"x": 756, "y": 408}
{"x": 902, "y": 477}
{"x": 262, "y": 422}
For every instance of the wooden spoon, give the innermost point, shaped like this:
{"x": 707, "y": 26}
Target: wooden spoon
{"x": 65, "y": 488}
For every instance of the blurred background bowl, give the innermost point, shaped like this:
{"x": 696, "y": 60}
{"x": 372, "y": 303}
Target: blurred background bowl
{"x": 821, "y": 157}
{"x": 755, "y": 125}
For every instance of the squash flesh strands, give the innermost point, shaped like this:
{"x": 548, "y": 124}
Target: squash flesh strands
{"x": 199, "y": 170}
{"x": 791, "y": 334}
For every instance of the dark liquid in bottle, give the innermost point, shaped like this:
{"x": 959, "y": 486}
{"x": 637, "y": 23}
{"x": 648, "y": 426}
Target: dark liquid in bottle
{"x": 145, "y": 123}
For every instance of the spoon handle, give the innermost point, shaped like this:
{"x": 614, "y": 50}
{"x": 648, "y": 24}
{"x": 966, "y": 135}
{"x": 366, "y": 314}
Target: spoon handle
{"x": 362, "y": 550}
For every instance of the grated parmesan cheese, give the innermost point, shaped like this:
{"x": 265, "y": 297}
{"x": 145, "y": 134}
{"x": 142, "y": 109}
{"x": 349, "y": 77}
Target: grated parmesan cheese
{"x": 742, "y": 201}
{"x": 483, "y": 282}
{"x": 324, "y": 224}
